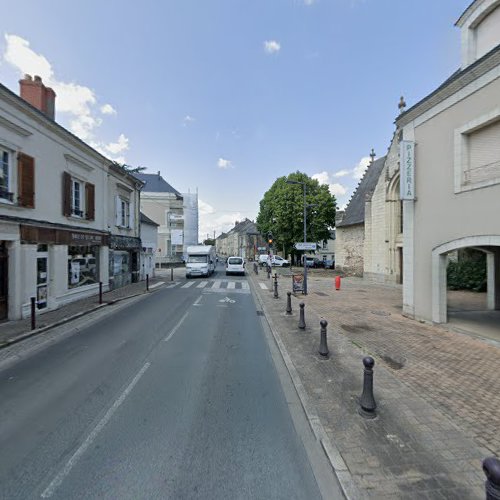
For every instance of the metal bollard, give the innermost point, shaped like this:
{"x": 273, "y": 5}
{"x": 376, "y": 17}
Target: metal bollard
{"x": 171, "y": 274}
{"x": 33, "y": 313}
{"x": 337, "y": 282}
{"x": 100, "y": 292}
{"x": 491, "y": 468}
{"x": 289, "y": 303}
{"x": 323, "y": 346}
{"x": 276, "y": 286}
{"x": 255, "y": 268}
{"x": 367, "y": 401}
{"x": 302, "y": 322}
{"x": 147, "y": 282}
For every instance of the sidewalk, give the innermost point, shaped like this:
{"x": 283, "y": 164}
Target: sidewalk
{"x": 12, "y": 331}
{"x": 437, "y": 392}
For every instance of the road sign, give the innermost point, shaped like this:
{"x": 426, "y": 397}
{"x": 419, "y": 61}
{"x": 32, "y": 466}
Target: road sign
{"x": 305, "y": 246}
{"x": 260, "y": 249}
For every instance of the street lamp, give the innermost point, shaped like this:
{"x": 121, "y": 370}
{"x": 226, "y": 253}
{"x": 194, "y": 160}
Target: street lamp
{"x": 305, "y": 229}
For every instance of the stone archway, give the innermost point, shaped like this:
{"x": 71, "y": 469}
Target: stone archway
{"x": 394, "y": 229}
{"x": 490, "y": 244}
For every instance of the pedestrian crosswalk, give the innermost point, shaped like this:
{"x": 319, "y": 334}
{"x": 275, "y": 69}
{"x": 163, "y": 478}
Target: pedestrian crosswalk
{"x": 213, "y": 285}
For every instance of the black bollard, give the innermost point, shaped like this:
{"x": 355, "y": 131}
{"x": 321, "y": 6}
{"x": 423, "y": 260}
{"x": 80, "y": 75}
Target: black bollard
{"x": 367, "y": 401}
{"x": 323, "y": 346}
{"x": 276, "y": 286}
{"x": 491, "y": 468}
{"x": 147, "y": 282}
{"x": 302, "y": 322}
{"x": 255, "y": 268}
{"x": 33, "y": 313}
{"x": 171, "y": 274}
{"x": 289, "y": 303}
{"x": 100, "y": 292}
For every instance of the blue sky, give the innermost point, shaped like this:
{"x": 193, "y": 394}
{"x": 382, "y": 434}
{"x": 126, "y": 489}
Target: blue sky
{"x": 227, "y": 95}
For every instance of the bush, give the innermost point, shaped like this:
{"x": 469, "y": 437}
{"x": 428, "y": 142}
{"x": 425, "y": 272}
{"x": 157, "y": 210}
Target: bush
{"x": 467, "y": 275}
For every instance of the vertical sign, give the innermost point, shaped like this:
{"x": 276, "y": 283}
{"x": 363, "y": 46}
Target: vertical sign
{"x": 407, "y": 166}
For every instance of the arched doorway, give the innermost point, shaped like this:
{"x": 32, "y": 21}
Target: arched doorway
{"x": 490, "y": 246}
{"x": 394, "y": 229}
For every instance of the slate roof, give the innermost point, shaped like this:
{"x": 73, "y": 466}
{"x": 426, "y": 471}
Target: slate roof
{"x": 355, "y": 211}
{"x": 146, "y": 220}
{"x": 246, "y": 227}
{"x": 155, "y": 183}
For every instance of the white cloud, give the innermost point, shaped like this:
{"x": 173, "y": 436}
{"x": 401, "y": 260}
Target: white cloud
{"x": 77, "y": 101}
{"x": 309, "y": 2}
{"x": 224, "y": 164}
{"x": 187, "y": 120}
{"x": 271, "y": 46}
{"x": 107, "y": 109}
{"x": 119, "y": 146}
{"x": 359, "y": 170}
{"x": 204, "y": 208}
{"x": 341, "y": 173}
{"x": 334, "y": 187}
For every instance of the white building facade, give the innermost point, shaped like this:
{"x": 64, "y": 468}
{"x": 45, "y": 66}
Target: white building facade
{"x": 455, "y": 170}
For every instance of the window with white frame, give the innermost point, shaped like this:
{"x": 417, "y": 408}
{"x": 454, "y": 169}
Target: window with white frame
{"x": 123, "y": 212}
{"x": 77, "y": 197}
{"x": 5, "y": 180}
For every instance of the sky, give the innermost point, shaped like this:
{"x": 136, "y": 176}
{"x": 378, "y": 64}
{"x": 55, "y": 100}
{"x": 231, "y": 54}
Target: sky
{"x": 225, "y": 96}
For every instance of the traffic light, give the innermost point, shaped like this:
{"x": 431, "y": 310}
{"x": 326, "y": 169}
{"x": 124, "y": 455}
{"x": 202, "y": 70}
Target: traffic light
{"x": 270, "y": 239}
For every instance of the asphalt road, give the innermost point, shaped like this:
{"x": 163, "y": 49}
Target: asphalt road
{"x": 175, "y": 395}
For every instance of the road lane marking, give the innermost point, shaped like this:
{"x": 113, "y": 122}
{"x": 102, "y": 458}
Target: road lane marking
{"x": 203, "y": 284}
{"x": 172, "y": 285}
{"x": 244, "y": 285}
{"x": 231, "y": 284}
{"x": 217, "y": 284}
{"x": 175, "y": 328}
{"x": 197, "y": 302}
{"x": 263, "y": 286}
{"x": 188, "y": 284}
{"x": 227, "y": 299}
{"x": 156, "y": 285}
{"x": 57, "y": 481}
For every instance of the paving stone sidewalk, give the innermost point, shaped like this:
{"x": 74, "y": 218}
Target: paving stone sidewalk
{"x": 11, "y": 330}
{"x": 437, "y": 392}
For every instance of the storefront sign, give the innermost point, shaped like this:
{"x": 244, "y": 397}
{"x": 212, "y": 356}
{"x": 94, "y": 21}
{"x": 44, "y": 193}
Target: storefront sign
{"x": 53, "y": 236}
{"x": 407, "y": 166}
{"x": 86, "y": 239}
{"x": 124, "y": 243}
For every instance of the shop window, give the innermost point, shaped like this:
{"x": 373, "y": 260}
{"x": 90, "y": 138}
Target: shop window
{"x": 82, "y": 266}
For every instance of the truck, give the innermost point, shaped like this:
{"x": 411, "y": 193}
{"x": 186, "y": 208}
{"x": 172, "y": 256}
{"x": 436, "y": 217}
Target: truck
{"x": 200, "y": 260}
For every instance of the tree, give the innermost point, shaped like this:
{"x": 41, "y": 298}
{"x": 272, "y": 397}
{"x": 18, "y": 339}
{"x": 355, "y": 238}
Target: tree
{"x": 129, "y": 168}
{"x": 209, "y": 241}
{"x": 282, "y": 211}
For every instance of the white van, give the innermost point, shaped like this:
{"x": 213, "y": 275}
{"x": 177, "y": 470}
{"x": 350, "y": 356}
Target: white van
{"x": 200, "y": 260}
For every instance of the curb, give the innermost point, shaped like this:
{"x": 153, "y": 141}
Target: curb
{"x": 340, "y": 469}
{"x": 37, "y": 331}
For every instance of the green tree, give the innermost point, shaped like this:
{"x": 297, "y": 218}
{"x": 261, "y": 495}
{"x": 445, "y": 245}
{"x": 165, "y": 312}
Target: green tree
{"x": 129, "y": 168}
{"x": 282, "y": 210}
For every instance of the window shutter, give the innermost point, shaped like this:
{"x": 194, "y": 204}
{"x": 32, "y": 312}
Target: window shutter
{"x": 66, "y": 194}
{"x": 131, "y": 217}
{"x": 484, "y": 153}
{"x": 118, "y": 204}
{"x": 90, "y": 200}
{"x": 26, "y": 180}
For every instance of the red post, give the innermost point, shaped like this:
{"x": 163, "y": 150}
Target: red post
{"x": 337, "y": 282}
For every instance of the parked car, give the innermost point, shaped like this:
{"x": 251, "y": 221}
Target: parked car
{"x": 263, "y": 260}
{"x": 309, "y": 260}
{"x": 279, "y": 261}
{"x": 235, "y": 265}
{"x": 329, "y": 264}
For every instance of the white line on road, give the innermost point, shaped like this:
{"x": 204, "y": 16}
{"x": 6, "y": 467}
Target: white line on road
{"x": 175, "y": 328}
{"x": 216, "y": 284}
{"x": 203, "y": 284}
{"x": 172, "y": 285}
{"x": 263, "y": 286}
{"x": 156, "y": 285}
{"x": 244, "y": 285}
{"x": 197, "y": 302}
{"x": 57, "y": 481}
{"x": 231, "y": 284}
{"x": 188, "y": 284}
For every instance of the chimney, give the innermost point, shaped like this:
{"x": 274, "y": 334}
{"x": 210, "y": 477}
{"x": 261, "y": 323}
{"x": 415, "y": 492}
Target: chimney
{"x": 38, "y": 95}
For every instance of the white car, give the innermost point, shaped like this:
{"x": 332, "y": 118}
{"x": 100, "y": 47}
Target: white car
{"x": 235, "y": 265}
{"x": 279, "y": 261}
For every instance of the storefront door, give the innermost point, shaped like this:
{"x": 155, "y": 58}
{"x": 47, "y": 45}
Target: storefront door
{"x": 42, "y": 276}
{"x": 4, "y": 266}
